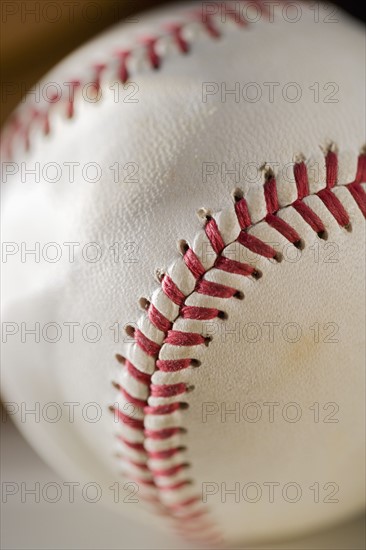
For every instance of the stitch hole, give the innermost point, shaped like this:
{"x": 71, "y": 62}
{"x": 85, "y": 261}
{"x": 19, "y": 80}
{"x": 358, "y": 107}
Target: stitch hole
{"x": 120, "y": 358}
{"x": 183, "y": 247}
{"x": 208, "y": 340}
{"x": 257, "y": 274}
{"x": 278, "y": 257}
{"x": 239, "y": 295}
{"x": 144, "y": 303}
{"x": 115, "y": 385}
{"x": 159, "y": 274}
{"x": 323, "y": 235}
{"x": 183, "y": 406}
{"x": 130, "y": 331}
{"x": 348, "y": 227}
{"x": 195, "y": 363}
{"x": 204, "y": 214}
{"x": 190, "y": 388}
{"x": 237, "y": 194}
{"x": 222, "y": 315}
{"x": 300, "y": 244}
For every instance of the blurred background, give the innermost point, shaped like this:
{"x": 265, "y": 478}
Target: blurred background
{"x": 35, "y": 36}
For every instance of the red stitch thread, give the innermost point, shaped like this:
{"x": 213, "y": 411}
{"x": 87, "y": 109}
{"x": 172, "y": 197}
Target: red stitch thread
{"x": 173, "y": 365}
{"x": 167, "y": 472}
{"x": 359, "y": 196}
{"x": 301, "y": 179}
{"x": 361, "y": 169}
{"x": 163, "y": 434}
{"x": 150, "y": 43}
{"x": 331, "y": 165}
{"x": 242, "y": 213}
{"x": 214, "y": 235}
{"x": 132, "y": 422}
{"x": 232, "y": 266}
{"x": 140, "y": 465}
{"x": 193, "y": 264}
{"x": 284, "y": 228}
{"x": 206, "y": 20}
{"x": 256, "y": 245}
{"x": 74, "y": 84}
{"x": 137, "y": 374}
{"x": 334, "y": 206}
{"x": 130, "y": 399}
{"x": 199, "y": 313}
{"x": 178, "y": 338}
{"x": 163, "y": 409}
{"x": 158, "y": 319}
{"x": 215, "y": 289}
{"x": 270, "y": 195}
{"x": 136, "y": 446}
{"x": 176, "y": 31}
{"x": 309, "y": 216}
{"x": 168, "y": 390}
{"x": 148, "y": 346}
{"x": 165, "y": 454}
{"x": 99, "y": 68}
{"x": 123, "y": 71}
{"x": 172, "y": 291}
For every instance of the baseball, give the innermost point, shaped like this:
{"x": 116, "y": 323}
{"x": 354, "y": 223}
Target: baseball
{"x": 183, "y": 268}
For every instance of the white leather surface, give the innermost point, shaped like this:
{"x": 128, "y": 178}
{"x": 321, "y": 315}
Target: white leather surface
{"x": 169, "y": 133}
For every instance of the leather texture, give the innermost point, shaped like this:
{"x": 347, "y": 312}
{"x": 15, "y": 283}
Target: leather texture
{"x": 169, "y": 133}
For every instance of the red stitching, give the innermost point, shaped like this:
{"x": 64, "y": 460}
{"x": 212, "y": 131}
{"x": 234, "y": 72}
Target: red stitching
{"x": 176, "y": 32}
{"x": 215, "y": 289}
{"x": 310, "y": 217}
{"x": 132, "y": 422}
{"x": 331, "y": 165}
{"x": 150, "y": 43}
{"x": 301, "y": 179}
{"x": 283, "y": 227}
{"x": 199, "y": 313}
{"x": 256, "y": 245}
{"x": 148, "y": 346}
{"x": 166, "y": 454}
{"x": 169, "y": 390}
{"x": 130, "y": 399}
{"x": 190, "y": 339}
{"x": 131, "y": 445}
{"x": 163, "y": 409}
{"x": 123, "y": 71}
{"x": 158, "y": 319}
{"x": 172, "y": 291}
{"x": 232, "y": 266}
{"x": 242, "y": 213}
{"x": 270, "y": 195}
{"x": 137, "y": 374}
{"x": 162, "y": 434}
{"x": 173, "y": 366}
{"x": 334, "y": 206}
{"x": 214, "y": 236}
{"x": 193, "y": 264}
{"x": 177, "y": 338}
